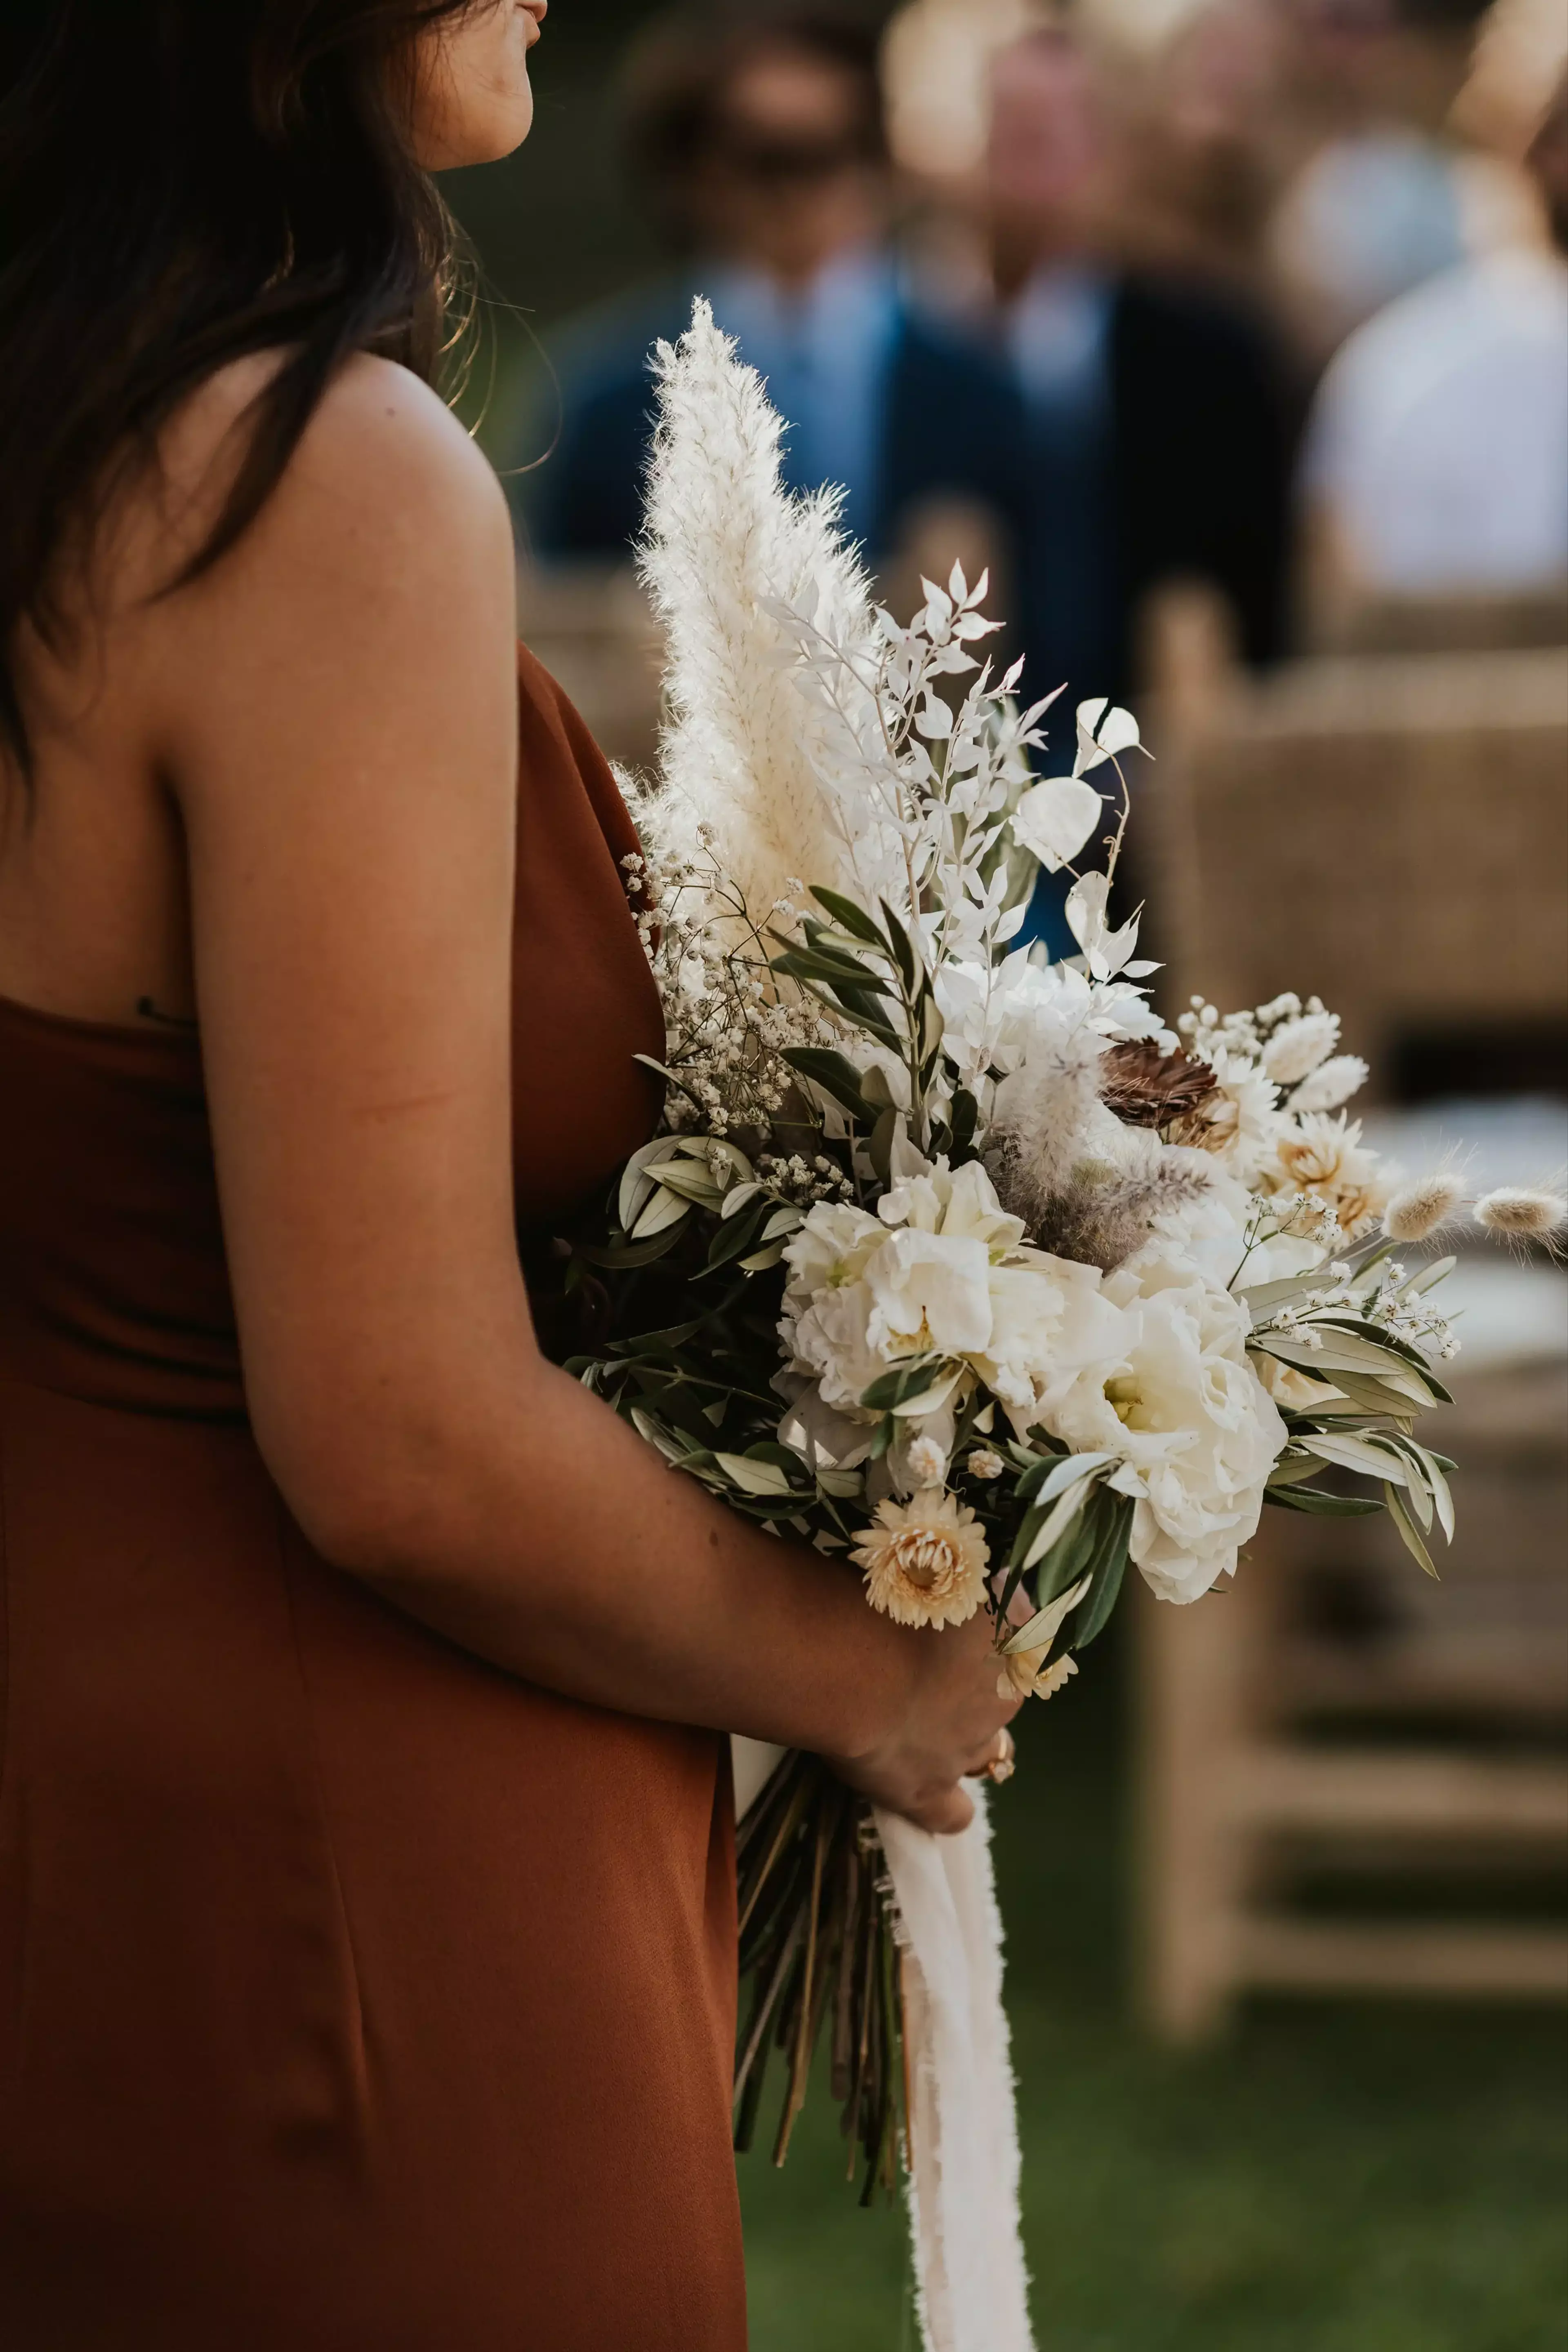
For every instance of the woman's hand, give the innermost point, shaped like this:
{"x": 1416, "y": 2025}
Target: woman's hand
{"x": 949, "y": 1730}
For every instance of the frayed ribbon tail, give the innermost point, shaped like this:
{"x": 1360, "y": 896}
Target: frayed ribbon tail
{"x": 972, "y": 2285}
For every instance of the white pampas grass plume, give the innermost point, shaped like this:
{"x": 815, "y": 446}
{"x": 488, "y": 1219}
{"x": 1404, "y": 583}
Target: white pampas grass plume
{"x": 1298, "y": 1047}
{"x": 1331, "y": 1085}
{"x": 725, "y": 545}
{"x": 1520, "y": 1212}
{"x": 1418, "y": 1210}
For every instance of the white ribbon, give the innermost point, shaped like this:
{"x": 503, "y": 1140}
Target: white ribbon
{"x": 972, "y": 2283}
{"x": 972, "y": 2286}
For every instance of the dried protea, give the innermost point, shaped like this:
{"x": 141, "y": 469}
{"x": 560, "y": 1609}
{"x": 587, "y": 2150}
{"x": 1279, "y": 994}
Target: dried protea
{"x": 1147, "y": 1088}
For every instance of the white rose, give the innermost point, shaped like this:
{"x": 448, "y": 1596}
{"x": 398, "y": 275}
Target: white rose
{"x": 1197, "y": 1434}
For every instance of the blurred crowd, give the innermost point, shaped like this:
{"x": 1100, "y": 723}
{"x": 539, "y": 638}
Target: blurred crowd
{"x": 1268, "y": 294}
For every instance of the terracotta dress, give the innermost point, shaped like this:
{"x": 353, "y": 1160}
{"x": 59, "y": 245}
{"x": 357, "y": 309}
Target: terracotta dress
{"x": 354, "y": 1996}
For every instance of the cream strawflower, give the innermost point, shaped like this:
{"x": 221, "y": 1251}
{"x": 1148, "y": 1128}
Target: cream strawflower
{"x": 1326, "y": 1157}
{"x": 924, "y": 1560}
{"x": 1034, "y": 1674}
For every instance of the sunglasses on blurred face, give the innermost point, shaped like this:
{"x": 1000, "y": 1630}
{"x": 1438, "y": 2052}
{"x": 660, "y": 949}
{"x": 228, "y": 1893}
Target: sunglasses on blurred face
{"x": 788, "y": 163}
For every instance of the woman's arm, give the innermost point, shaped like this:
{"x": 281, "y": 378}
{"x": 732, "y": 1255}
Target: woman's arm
{"x": 335, "y": 707}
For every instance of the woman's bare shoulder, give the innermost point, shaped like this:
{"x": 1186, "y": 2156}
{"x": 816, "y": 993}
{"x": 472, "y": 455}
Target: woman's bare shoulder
{"x": 382, "y": 455}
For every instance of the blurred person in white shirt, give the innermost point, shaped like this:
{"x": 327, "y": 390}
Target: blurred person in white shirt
{"x": 1436, "y": 461}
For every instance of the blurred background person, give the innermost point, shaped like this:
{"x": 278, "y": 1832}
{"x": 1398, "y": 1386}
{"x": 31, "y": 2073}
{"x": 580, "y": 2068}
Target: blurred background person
{"x": 1437, "y": 460}
{"x": 1157, "y": 443}
{"x": 1385, "y": 194}
{"x": 762, "y": 145}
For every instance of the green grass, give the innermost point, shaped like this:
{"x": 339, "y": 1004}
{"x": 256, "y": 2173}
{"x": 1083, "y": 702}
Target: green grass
{"x": 1331, "y": 2179}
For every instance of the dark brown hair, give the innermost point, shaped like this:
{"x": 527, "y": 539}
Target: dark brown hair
{"x": 183, "y": 182}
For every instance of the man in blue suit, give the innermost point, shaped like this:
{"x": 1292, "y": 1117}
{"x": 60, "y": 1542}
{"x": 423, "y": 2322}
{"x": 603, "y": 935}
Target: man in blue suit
{"x": 764, "y": 149}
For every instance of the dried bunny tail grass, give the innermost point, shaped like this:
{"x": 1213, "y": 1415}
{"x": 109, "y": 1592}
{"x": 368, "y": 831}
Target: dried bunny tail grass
{"x": 1418, "y": 1210}
{"x": 1521, "y": 1212}
{"x": 725, "y": 542}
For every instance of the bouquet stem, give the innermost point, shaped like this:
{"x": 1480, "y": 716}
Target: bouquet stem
{"x": 816, "y": 1939}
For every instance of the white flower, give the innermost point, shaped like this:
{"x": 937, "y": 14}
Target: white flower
{"x": 927, "y": 1461}
{"x": 1050, "y": 1321}
{"x": 983, "y": 1462}
{"x": 929, "y": 1291}
{"x": 1244, "y": 1123}
{"x": 1197, "y": 1434}
{"x": 865, "y": 1296}
{"x": 1331, "y": 1085}
{"x": 1298, "y": 1047}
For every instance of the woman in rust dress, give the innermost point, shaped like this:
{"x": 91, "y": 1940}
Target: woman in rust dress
{"x": 366, "y": 1902}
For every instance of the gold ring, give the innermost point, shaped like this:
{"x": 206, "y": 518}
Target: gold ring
{"x": 1004, "y": 1763}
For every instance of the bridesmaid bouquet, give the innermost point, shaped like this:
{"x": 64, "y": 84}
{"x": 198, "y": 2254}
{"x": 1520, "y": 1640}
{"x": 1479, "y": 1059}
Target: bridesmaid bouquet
{"x": 949, "y": 1260}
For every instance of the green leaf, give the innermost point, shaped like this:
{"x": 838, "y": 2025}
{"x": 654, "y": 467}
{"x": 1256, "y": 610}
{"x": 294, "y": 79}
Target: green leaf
{"x": 739, "y": 1235}
{"x": 903, "y": 949}
{"x": 755, "y": 1478}
{"x": 763, "y": 1260}
{"x": 624, "y": 1256}
{"x": 1409, "y": 1534}
{"x": 1041, "y": 1628}
{"x": 737, "y": 1197}
{"x": 851, "y": 917}
{"x": 1351, "y": 1453}
{"x": 1319, "y": 1504}
{"x": 837, "y": 1076}
{"x": 635, "y": 1187}
{"x": 1109, "y": 1570}
{"x": 831, "y": 967}
{"x": 665, "y": 1208}
{"x": 907, "y": 1383}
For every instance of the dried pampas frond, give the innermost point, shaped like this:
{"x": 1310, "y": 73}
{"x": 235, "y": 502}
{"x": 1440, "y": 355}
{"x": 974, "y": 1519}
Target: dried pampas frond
{"x": 1103, "y": 1216}
{"x": 726, "y": 543}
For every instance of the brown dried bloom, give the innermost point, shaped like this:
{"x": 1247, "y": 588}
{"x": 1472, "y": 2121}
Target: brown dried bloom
{"x": 924, "y": 1560}
{"x": 1147, "y": 1088}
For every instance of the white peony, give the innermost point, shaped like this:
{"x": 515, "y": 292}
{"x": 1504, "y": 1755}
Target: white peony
{"x": 1197, "y": 1434}
{"x": 941, "y": 1271}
